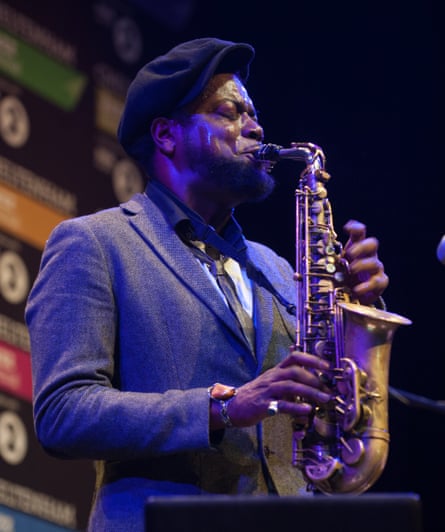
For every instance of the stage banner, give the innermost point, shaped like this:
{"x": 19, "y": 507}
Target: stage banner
{"x": 64, "y": 71}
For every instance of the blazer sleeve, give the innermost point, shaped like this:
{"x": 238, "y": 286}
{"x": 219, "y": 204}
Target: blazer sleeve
{"x": 72, "y": 317}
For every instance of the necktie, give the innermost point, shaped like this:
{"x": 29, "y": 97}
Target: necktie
{"x": 228, "y": 288}
{"x": 215, "y": 263}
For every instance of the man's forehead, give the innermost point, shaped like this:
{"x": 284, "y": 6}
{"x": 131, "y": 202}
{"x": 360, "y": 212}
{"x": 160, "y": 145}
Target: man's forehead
{"x": 223, "y": 86}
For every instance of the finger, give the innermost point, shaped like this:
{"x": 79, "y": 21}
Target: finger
{"x": 300, "y": 411}
{"x": 356, "y": 230}
{"x": 316, "y": 379}
{"x": 287, "y": 391}
{"x": 283, "y": 379}
{"x": 364, "y": 248}
{"x": 367, "y": 274}
{"x": 298, "y": 358}
{"x": 370, "y": 265}
{"x": 375, "y": 285}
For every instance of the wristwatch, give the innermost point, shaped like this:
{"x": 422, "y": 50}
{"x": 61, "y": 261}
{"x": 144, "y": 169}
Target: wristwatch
{"x": 222, "y": 394}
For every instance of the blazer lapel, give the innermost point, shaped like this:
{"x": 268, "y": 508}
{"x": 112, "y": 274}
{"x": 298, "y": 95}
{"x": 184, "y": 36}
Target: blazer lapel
{"x": 149, "y": 222}
{"x": 267, "y": 311}
{"x": 263, "y": 319}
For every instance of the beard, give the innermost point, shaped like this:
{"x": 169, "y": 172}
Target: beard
{"x": 243, "y": 180}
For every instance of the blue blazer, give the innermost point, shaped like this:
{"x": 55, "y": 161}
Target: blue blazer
{"x": 127, "y": 333}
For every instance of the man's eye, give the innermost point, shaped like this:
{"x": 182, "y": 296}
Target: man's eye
{"x": 230, "y": 113}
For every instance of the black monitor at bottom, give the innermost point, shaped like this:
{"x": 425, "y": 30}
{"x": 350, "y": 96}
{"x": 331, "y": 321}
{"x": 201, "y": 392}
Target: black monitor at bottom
{"x": 372, "y": 512}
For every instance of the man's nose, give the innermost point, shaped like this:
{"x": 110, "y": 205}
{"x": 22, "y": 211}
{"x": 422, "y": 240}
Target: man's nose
{"x": 252, "y": 129}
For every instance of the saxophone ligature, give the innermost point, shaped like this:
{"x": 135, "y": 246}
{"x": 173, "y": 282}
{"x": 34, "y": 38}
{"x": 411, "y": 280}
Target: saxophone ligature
{"x": 345, "y": 447}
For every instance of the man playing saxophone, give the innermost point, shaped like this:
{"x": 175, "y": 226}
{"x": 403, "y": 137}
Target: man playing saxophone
{"x": 142, "y": 359}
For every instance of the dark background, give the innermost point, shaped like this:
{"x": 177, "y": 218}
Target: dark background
{"x": 361, "y": 79}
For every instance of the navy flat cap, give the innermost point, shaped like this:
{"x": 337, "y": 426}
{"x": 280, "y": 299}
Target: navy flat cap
{"x": 175, "y": 79}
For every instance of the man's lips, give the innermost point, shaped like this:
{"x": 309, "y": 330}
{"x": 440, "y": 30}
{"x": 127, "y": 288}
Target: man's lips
{"x": 250, "y": 151}
{"x": 250, "y": 154}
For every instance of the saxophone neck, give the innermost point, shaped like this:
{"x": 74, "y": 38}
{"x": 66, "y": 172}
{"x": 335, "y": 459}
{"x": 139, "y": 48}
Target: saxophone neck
{"x": 307, "y": 152}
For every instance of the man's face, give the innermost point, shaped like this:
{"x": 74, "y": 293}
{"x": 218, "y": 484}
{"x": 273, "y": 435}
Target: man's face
{"x": 219, "y": 138}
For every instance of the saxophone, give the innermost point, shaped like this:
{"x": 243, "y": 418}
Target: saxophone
{"x": 345, "y": 447}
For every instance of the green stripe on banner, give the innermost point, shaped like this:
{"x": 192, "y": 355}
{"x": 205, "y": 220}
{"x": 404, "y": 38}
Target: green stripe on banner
{"x": 41, "y": 74}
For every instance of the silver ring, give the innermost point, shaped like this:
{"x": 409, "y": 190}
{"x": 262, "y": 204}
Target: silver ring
{"x": 272, "y": 408}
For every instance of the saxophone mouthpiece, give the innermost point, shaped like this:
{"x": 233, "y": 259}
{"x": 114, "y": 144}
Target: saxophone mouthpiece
{"x": 268, "y": 152}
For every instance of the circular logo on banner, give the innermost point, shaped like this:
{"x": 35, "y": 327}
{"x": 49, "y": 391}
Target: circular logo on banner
{"x": 14, "y": 278}
{"x": 14, "y": 122}
{"x": 127, "y": 180}
{"x": 127, "y": 40}
{"x": 13, "y": 438}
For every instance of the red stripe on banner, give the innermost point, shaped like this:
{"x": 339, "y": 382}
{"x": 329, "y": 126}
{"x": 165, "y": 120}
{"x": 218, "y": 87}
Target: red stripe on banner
{"x": 15, "y": 371}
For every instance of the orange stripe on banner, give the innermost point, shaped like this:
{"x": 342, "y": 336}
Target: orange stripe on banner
{"x": 25, "y": 218}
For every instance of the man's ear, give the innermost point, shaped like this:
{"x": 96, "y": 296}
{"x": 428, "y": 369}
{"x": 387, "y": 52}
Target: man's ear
{"x": 162, "y": 132}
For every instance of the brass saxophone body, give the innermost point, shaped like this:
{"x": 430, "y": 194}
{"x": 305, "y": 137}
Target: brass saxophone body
{"x": 345, "y": 447}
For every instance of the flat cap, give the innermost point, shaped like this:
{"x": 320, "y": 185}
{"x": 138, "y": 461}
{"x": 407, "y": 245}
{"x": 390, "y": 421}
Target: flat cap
{"x": 175, "y": 79}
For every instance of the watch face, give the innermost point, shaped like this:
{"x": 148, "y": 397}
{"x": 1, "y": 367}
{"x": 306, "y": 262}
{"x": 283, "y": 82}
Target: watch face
{"x": 222, "y": 392}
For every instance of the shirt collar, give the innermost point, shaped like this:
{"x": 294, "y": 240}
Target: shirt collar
{"x": 188, "y": 223}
